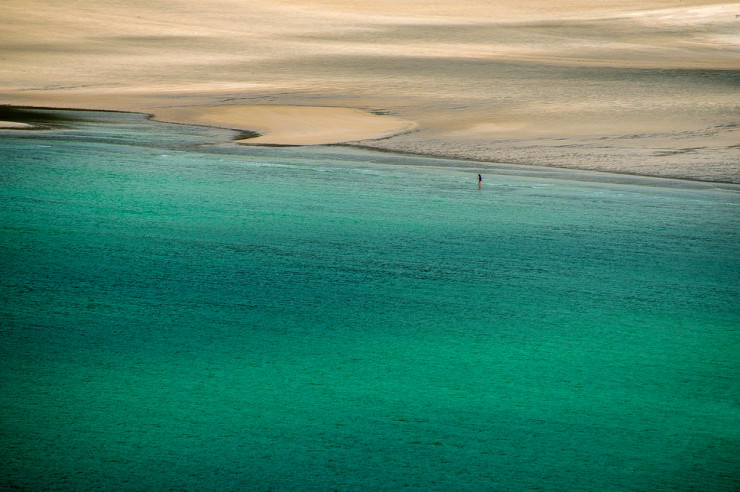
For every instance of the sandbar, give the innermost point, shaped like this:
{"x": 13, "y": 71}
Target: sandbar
{"x": 292, "y": 125}
{"x": 16, "y": 125}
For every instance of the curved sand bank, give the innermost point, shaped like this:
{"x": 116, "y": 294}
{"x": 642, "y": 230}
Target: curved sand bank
{"x": 292, "y": 125}
{"x": 15, "y": 125}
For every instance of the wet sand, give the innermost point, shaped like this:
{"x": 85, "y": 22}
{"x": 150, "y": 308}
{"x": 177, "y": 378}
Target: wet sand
{"x": 634, "y": 87}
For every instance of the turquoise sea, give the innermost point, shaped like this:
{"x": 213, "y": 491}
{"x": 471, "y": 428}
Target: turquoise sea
{"x": 178, "y": 313}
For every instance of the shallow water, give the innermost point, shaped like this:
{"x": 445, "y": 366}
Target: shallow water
{"x": 177, "y": 315}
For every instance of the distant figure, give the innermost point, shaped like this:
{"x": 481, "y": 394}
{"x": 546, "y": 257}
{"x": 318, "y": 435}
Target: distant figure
{"x": 480, "y": 181}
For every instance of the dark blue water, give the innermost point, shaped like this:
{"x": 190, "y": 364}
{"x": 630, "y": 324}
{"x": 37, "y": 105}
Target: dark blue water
{"x": 189, "y": 317}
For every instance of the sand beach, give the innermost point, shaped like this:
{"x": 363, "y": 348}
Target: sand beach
{"x": 291, "y": 125}
{"x": 623, "y": 86}
{"x": 254, "y": 259}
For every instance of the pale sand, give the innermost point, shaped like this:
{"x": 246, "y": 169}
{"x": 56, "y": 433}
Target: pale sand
{"x": 565, "y": 83}
{"x": 15, "y": 125}
{"x": 292, "y": 125}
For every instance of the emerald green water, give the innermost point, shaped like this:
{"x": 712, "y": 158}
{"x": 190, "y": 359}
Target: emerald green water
{"x": 188, "y": 317}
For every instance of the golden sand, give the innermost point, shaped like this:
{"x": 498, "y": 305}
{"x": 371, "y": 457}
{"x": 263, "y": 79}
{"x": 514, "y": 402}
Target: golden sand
{"x": 292, "y": 125}
{"x": 474, "y": 78}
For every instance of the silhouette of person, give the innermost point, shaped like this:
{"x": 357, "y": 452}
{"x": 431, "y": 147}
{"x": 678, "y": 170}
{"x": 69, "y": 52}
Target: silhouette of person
{"x": 480, "y": 181}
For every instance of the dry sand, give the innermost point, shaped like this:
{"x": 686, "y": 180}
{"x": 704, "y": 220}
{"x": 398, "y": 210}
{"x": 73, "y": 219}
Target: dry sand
{"x": 645, "y": 87}
{"x": 291, "y": 125}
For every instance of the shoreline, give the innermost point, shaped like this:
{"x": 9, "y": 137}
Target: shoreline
{"x": 643, "y": 88}
{"x": 240, "y": 140}
{"x": 540, "y": 167}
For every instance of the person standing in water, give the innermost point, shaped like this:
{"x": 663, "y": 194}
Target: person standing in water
{"x": 480, "y": 181}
